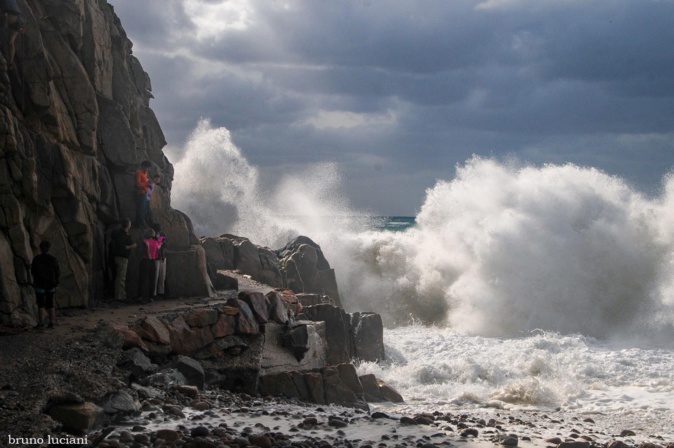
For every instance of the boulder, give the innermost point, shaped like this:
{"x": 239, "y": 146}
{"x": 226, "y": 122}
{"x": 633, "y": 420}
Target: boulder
{"x": 224, "y": 326}
{"x": 120, "y": 401}
{"x": 156, "y": 331}
{"x": 371, "y": 392}
{"x": 279, "y": 309}
{"x": 367, "y": 336}
{"x": 258, "y": 303}
{"x": 238, "y": 367}
{"x": 337, "y": 331}
{"x": 348, "y": 375}
{"x": 337, "y": 392}
{"x": 191, "y": 370}
{"x": 246, "y": 322}
{"x": 229, "y": 252}
{"x": 278, "y": 384}
{"x": 389, "y": 393}
{"x": 81, "y": 417}
{"x": 202, "y": 317}
{"x": 314, "y": 382}
{"x": 135, "y": 361}
{"x": 223, "y": 282}
{"x": 183, "y": 339}
{"x": 188, "y": 264}
{"x": 299, "y": 346}
{"x": 306, "y": 270}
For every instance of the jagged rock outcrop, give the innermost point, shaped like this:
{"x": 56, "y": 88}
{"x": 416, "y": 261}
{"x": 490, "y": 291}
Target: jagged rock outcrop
{"x": 300, "y": 266}
{"x": 229, "y": 252}
{"x": 75, "y": 122}
{"x": 306, "y": 270}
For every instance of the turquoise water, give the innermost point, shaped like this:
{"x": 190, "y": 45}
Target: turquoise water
{"x": 396, "y": 223}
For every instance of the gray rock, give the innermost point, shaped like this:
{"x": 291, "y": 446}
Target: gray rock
{"x": 137, "y": 363}
{"x": 367, "y": 333}
{"x": 80, "y": 417}
{"x": 191, "y": 370}
{"x": 164, "y": 378}
{"x": 120, "y": 401}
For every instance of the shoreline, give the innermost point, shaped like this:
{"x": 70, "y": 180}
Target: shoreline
{"x": 69, "y": 364}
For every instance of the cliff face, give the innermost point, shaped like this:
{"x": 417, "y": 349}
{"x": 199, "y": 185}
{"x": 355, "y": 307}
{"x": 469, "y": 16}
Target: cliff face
{"x": 75, "y": 123}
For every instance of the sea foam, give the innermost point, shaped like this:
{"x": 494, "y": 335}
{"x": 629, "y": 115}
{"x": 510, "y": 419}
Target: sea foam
{"x": 500, "y": 249}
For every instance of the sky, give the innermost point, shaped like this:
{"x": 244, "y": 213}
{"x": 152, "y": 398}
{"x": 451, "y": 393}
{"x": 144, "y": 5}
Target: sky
{"x": 398, "y": 93}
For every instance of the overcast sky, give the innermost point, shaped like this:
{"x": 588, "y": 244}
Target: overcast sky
{"x": 397, "y": 93}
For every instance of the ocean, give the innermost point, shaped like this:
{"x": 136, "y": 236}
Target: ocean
{"x": 530, "y": 288}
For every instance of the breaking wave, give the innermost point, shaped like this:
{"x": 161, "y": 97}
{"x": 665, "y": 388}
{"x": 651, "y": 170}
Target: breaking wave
{"x": 498, "y": 250}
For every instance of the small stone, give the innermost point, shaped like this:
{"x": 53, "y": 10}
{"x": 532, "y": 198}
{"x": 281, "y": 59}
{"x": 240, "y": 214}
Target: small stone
{"x": 406, "y": 421}
{"x": 168, "y": 434}
{"x": 200, "y": 405}
{"x": 174, "y": 410}
{"x": 141, "y": 438}
{"x": 627, "y": 433}
{"x": 261, "y": 441}
{"x": 125, "y": 436}
{"x": 618, "y": 444}
{"x": 423, "y": 420}
{"x": 510, "y": 440}
{"x": 310, "y": 421}
{"x": 337, "y": 422}
{"x": 379, "y": 415}
{"x": 199, "y": 431}
{"x": 470, "y": 432}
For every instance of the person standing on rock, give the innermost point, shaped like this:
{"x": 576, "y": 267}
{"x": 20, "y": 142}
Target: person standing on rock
{"x": 121, "y": 245}
{"x": 10, "y": 15}
{"x": 46, "y": 273}
{"x": 144, "y": 187}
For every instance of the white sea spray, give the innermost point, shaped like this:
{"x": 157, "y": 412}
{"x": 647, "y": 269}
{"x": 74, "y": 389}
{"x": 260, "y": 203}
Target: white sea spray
{"x": 519, "y": 286}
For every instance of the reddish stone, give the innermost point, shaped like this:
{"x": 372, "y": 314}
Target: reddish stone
{"x": 131, "y": 339}
{"x": 168, "y": 435}
{"x": 179, "y": 324}
{"x": 190, "y": 391}
{"x": 200, "y": 405}
{"x": 225, "y": 326}
{"x": 186, "y": 340}
{"x": 156, "y": 330}
{"x": 230, "y": 310}
{"x": 291, "y": 301}
{"x": 246, "y": 323}
{"x": 202, "y": 317}
{"x": 141, "y": 333}
{"x": 258, "y": 303}
{"x": 279, "y": 312}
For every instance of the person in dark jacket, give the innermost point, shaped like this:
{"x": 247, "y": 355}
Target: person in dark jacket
{"x": 121, "y": 245}
{"x": 46, "y": 273}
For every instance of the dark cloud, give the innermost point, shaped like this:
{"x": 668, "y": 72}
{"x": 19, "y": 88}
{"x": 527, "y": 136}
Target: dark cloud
{"x": 413, "y": 88}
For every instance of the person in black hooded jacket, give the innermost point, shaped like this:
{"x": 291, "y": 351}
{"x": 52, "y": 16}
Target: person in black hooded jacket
{"x": 46, "y": 273}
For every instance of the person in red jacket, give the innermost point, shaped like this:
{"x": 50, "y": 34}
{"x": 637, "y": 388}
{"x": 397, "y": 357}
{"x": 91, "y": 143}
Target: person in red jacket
{"x": 143, "y": 186}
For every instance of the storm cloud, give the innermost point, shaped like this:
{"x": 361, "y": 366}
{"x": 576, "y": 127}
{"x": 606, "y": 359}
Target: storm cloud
{"x": 397, "y": 93}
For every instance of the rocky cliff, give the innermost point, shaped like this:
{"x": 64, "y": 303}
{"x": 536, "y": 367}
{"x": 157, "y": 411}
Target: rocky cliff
{"x": 75, "y": 123}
